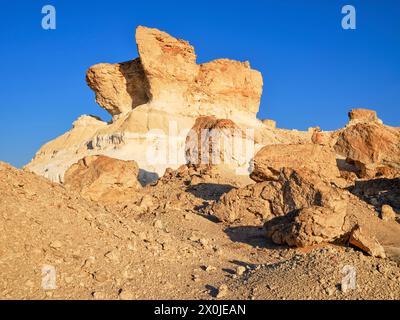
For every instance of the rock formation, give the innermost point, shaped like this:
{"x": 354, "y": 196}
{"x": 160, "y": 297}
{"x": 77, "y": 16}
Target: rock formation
{"x": 115, "y": 229}
{"x": 154, "y": 100}
{"x": 303, "y": 202}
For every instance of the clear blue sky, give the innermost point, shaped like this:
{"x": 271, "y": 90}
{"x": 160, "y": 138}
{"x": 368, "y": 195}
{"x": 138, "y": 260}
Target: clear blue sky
{"x": 314, "y": 71}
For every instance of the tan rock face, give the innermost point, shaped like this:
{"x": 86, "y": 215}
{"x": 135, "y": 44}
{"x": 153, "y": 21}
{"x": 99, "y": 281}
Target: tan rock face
{"x": 374, "y": 148}
{"x": 271, "y": 159}
{"x": 103, "y": 179}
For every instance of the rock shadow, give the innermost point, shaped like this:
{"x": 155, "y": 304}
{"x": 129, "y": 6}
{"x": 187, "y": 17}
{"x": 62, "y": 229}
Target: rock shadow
{"x": 378, "y": 192}
{"x": 137, "y": 84}
{"x": 146, "y": 177}
{"x": 252, "y": 235}
{"x": 209, "y": 191}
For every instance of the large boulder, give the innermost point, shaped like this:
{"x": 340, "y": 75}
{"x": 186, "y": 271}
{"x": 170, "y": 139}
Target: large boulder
{"x": 307, "y": 226}
{"x": 374, "y": 148}
{"x": 271, "y": 159}
{"x": 220, "y": 143}
{"x": 103, "y": 179}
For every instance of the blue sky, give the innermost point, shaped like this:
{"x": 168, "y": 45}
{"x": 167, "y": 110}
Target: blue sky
{"x": 314, "y": 71}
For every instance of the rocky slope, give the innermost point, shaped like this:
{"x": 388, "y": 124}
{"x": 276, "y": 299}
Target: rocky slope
{"x": 232, "y": 213}
{"x": 163, "y": 244}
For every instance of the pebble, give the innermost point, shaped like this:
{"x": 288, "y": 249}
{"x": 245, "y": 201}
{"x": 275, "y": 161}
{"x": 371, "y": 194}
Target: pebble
{"x": 56, "y": 244}
{"x": 240, "y": 270}
{"x": 158, "y": 224}
{"x": 99, "y": 295}
{"x": 210, "y": 268}
{"x": 222, "y": 291}
{"x": 100, "y": 276}
{"x": 195, "y": 278}
{"x": 113, "y": 255}
{"x": 126, "y": 295}
{"x": 330, "y": 291}
{"x": 68, "y": 279}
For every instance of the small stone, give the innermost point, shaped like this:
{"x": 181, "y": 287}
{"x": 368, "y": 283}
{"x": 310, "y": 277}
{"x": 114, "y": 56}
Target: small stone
{"x": 204, "y": 242}
{"x": 240, "y": 270}
{"x": 222, "y": 291}
{"x": 210, "y": 268}
{"x": 195, "y": 278}
{"x": 112, "y": 255}
{"x": 68, "y": 279}
{"x": 158, "y": 224}
{"x": 98, "y": 295}
{"x": 131, "y": 247}
{"x": 330, "y": 291}
{"x": 195, "y": 180}
{"x": 126, "y": 295}
{"x": 388, "y": 213}
{"x": 56, "y": 244}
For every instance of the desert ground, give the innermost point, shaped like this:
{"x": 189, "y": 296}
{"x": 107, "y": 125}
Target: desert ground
{"x": 235, "y": 208}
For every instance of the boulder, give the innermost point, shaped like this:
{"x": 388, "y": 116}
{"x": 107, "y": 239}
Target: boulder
{"x": 367, "y": 243}
{"x": 271, "y": 159}
{"x": 103, "y": 179}
{"x": 307, "y": 226}
{"x": 213, "y": 141}
{"x": 372, "y": 147}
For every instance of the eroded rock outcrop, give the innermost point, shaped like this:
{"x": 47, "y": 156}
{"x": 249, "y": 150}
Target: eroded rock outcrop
{"x": 363, "y": 116}
{"x": 154, "y": 101}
